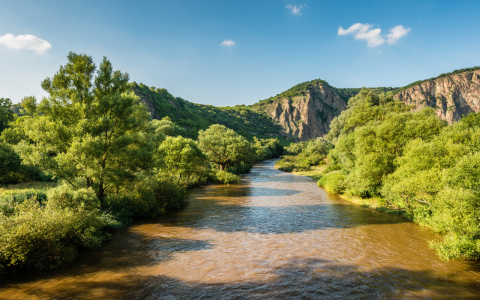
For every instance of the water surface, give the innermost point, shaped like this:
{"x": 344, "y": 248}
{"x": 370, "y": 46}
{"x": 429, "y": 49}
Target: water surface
{"x": 272, "y": 236}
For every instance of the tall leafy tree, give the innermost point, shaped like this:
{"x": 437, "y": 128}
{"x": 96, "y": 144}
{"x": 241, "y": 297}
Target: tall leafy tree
{"x": 223, "y": 146}
{"x": 90, "y": 130}
{"x": 182, "y": 158}
{"x": 6, "y": 114}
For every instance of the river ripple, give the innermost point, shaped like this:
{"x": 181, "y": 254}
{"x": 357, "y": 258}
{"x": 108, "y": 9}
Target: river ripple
{"x": 272, "y": 236}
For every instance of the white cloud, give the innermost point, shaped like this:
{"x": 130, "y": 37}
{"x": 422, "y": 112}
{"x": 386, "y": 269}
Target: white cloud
{"x": 296, "y": 9}
{"x": 374, "y": 36}
{"x": 26, "y": 41}
{"x": 228, "y": 43}
{"x": 396, "y": 33}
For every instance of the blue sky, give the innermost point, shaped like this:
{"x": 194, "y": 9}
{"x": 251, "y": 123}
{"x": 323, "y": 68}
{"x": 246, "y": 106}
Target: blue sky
{"x": 238, "y": 52}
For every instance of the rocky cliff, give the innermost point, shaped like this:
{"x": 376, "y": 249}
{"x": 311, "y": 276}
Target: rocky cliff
{"x": 308, "y": 115}
{"x": 305, "y": 111}
{"x": 452, "y": 96}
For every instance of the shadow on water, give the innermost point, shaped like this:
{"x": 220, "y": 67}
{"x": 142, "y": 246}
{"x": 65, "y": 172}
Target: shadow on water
{"x": 300, "y": 279}
{"x": 128, "y": 249}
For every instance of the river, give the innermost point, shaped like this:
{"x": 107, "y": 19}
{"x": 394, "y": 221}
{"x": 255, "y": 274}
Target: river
{"x": 274, "y": 235}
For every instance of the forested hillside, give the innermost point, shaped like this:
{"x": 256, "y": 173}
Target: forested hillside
{"x": 194, "y": 117}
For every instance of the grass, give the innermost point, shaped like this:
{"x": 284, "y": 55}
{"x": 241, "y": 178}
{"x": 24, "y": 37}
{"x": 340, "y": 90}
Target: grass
{"x": 27, "y": 187}
{"x": 314, "y": 173}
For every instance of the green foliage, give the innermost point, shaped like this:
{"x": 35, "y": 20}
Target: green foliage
{"x": 300, "y": 89}
{"x": 148, "y": 197}
{"x": 194, "y": 117}
{"x": 9, "y": 201}
{"x": 303, "y": 156}
{"x": 365, "y": 107}
{"x": 90, "y": 130}
{"x": 416, "y": 162}
{"x": 347, "y": 93}
{"x": 333, "y": 182}
{"x": 183, "y": 160}
{"x": 223, "y": 176}
{"x": 47, "y": 236}
{"x": 6, "y": 114}
{"x": 166, "y": 127}
{"x": 9, "y": 163}
{"x": 370, "y": 151}
{"x": 225, "y": 147}
{"x": 267, "y": 148}
{"x": 64, "y": 197}
{"x": 15, "y": 133}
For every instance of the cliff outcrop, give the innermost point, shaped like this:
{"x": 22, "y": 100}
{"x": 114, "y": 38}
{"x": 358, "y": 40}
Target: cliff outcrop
{"x": 452, "y": 96}
{"x": 308, "y": 115}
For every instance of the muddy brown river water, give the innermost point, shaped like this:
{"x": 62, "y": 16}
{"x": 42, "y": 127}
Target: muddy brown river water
{"x": 272, "y": 236}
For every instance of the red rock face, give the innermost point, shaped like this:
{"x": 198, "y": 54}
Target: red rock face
{"x": 453, "y": 97}
{"x": 307, "y": 117}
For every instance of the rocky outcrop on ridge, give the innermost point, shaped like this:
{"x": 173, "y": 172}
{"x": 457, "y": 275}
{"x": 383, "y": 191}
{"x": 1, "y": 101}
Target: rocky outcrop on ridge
{"x": 307, "y": 116}
{"x": 452, "y": 96}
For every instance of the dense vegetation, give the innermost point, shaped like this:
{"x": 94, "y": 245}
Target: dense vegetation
{"x": 414, "y": 162}
{"x": 300, "y": 89}
{"x": 303, "y": 156}
{"x": 347, "y": 93}
{"x": 194, "y": 117}
{"x": 110, "y": 162}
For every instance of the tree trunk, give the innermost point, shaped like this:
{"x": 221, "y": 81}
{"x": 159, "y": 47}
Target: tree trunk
{"x": 101, "y": 192}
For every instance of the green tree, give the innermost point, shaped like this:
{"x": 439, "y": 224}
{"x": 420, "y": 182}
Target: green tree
{"x": 223, "y": 146}
{"x": 9, "y": 163}
{"x": 182, "y": 158}
{"x": 91, "y": 130}
{"x": 6, "y": 114}
{"x": 167, "y": 127}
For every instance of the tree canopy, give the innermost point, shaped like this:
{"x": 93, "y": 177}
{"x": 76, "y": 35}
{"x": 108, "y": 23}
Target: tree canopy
{"x": 90, "y": 130}
{"x": 224, "y": 146}
{"x": 6, "y": 114}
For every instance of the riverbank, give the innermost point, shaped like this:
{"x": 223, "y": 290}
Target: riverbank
{"x": 376, "y": 203}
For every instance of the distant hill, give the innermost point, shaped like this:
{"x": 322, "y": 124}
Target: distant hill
{"x": 305, "y": 111}
{"x": 193, "y": 117}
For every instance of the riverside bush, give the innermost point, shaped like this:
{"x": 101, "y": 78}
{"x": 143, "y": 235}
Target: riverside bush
{"x": 333, "y": 182}
{"x": 46, "y": 236}
{"x": 225, "y": 177}
{"x": 149, "y": 197}
{"x": 9, "y": 201}
{"x": 303, "y": 156}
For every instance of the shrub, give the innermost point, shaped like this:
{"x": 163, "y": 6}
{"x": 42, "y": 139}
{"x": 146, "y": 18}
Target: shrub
{"x": 225, "y": 177}
{"x": 149, "y": 197}
{"x": 333, "y": 182}
{"x": 48, "y": 236}
{"x": 9, "y": 201}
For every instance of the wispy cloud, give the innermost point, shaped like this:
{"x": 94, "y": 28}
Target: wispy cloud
{"x": 26, "y": 41}
{"x": 373, "y": 36}
{"x": 227, "y": 43}
{"x": 296, "y": 9}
